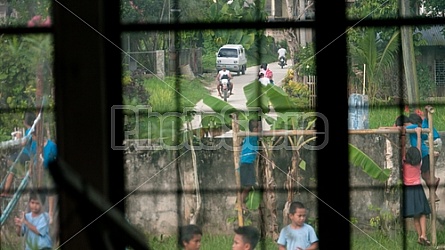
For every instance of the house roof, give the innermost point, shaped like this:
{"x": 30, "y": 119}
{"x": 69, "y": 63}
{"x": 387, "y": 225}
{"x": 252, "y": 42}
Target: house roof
{"x": 433, "y": 36}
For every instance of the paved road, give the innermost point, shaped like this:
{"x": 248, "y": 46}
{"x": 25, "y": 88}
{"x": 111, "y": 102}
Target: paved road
{"x": 238, "y": 99}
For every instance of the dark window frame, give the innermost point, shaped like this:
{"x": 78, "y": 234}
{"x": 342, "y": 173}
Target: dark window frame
{"x": 91, "y": 72}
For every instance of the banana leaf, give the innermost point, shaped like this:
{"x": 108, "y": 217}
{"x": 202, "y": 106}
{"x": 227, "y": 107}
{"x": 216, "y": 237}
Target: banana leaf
{"x": 359, "y": 159}
{"x": 280, "y": 100}
{"x": 222, "y": 107}
{"x": 256, "y": 96}
{"x": 253, "y": 200}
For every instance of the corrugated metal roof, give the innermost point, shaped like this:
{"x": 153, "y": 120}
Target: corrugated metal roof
{"x": 433, "y": 36}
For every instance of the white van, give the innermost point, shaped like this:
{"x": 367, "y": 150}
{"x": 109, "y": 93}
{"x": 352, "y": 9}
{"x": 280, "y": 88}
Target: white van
{"x": 233, "y": 56}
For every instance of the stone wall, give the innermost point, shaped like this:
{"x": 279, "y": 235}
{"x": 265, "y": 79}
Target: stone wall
{"x": 157, "y": 203}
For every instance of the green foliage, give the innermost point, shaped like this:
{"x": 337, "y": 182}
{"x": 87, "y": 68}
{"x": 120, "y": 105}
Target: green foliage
{"x": 28, "y": 9}
{"x": 434, "y": 8}
{"x": 376, "y": 50}
{"x": 298, "y": 92}
{"x": 305, "y": 58}
{"x": 297, "y": 89}
{"x": 137, "y": 11}
{"x": 253, "y": 200}
{"x": 157, "y": 109}
{"x": 373, "y": 9}
{"x": 25, "y": 59}
{"x": 215, "y": 121}
{"x": 426, "y": 83}
{"x": 360, "y": 159}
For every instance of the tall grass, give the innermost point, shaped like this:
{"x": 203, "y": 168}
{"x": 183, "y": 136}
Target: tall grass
{"x": 165, "y": 93}
{"x": 392, "y": 241}
{"x": 208, "y": 242}
{"x": 384, "y": 116}
{"x": 360, "y": 240}
{"x": 169, "y": 95}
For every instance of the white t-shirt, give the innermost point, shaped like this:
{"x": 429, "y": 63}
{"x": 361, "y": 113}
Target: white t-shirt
{"x": 281, "y": 52}
{"x": 221, "y": 73}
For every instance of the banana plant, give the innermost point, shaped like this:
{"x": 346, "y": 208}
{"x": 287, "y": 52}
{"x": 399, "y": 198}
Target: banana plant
{"x": 370, "y": 50}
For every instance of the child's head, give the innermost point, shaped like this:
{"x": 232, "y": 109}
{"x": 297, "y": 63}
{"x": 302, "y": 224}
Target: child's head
{"x": 415, "y": 119}
{"x": 420, "y": 113}
{"x": 29, "y": 118}
{"x": 246, "y": 238}
{"x": 297, "y": 213}
{"x": 190, "y": 237}
{"x": 413, "y": 156}
{"x": 34, "y": 203}
{"x": 254, "y": 125}
{"x": 401, "y": 120}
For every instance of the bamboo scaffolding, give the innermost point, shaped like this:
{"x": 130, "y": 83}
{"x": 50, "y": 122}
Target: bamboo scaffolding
{"x": 270, "y": 133}
{"x": 429, "y": 111}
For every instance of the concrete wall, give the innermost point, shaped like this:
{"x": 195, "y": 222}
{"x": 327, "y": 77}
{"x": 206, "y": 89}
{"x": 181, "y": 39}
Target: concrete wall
{"x": 156, "y": 203}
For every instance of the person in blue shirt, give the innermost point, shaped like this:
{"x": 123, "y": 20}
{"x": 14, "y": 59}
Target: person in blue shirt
{"x": 416, "y": 121}
{"x": 248, "y": 155}
{"x": 297, "y": 235}
{"x": 49, "y": 153}
{"x": 34, "y": 225}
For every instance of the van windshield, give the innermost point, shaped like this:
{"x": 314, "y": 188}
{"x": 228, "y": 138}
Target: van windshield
{"x": 227, "y": 53}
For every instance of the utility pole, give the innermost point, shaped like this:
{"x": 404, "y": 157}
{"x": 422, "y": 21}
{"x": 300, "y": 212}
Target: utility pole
{"x": 409, "y": 62}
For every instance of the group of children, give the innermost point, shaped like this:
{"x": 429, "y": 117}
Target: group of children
{"x": 296, "y": 236}
{"x": 415, "y": 167}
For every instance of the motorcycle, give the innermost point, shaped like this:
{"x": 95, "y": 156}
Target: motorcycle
{"x": 225, "y": 88}
{"x": 282, "y": 62}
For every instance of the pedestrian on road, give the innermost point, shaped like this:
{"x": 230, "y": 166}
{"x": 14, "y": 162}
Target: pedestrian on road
{"x": 269, "y": 74}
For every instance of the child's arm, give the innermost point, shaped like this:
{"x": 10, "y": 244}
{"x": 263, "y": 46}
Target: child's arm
{"x": 314, "y": 246}
{"x": 418, "y": 132}
{"x": 51, "y": 202}
{"x": 28, "y": 225}
{"x": 281, "y": 247}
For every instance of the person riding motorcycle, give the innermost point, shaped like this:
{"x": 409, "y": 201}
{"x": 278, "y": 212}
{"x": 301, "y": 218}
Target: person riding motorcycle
{"x": 282, "y": 54}
{"x": 224, "y": 74}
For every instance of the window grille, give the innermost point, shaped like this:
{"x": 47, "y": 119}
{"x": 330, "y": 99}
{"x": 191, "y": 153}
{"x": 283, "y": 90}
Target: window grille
{"x": 440, "y": 72}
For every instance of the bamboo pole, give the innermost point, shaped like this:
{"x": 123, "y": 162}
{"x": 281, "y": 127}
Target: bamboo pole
{"x": 271, "y": 133}
{"x": 236, "y": 152}
{"x": 429, "y": 111}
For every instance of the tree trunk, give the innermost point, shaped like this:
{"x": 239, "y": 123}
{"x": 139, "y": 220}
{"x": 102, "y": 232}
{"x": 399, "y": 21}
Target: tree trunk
{"x": 269, "y": 215}
{"x": 194, "y": 214}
